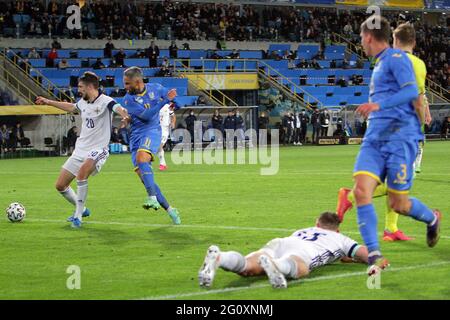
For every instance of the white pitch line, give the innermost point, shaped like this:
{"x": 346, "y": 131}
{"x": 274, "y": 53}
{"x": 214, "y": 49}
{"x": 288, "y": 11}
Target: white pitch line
{"x": 266, "y": 285}
{"x": 192, "y": 226}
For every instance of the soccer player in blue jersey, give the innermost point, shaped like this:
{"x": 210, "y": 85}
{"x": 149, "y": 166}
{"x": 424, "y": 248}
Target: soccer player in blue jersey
{"x": 391, "y": 141}
{"x": 143, "y": 102}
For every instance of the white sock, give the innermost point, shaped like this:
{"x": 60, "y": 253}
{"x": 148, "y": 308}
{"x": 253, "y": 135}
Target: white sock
{"x": 70, "y": 195}
{"x": 82, "y": 195}
{"x": 232, "y": 261}
{"x": 418, "y": 161}
{"x": 287, "y": 266}
{"x": 162, "y": 160}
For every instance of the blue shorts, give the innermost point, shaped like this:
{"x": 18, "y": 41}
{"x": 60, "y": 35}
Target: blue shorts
{"x": 392, "y": 161}
{"x": 148, "y": 143}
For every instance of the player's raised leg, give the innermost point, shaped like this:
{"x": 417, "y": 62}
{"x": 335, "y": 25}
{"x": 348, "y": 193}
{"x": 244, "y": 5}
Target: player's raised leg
{"x": 399, "y": 179}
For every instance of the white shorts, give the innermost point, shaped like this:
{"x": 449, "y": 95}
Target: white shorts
{"x": 285, "y": 247}
{"x": 164, "y": 136}
{"x": 74, "y": 163}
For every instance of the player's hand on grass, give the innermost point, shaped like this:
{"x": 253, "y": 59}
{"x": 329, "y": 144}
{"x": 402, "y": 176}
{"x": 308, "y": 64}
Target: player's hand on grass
{"x": 172, "y": 94}
{"x": 366, "y": 108}
{"x": 41, "y": 100}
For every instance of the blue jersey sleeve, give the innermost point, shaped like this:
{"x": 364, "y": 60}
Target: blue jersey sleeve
{"x": 403, "y": 72}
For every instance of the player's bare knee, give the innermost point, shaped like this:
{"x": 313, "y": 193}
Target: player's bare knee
{"x": 362, "y": 194}
{"x": 143, "y": 157}
{"x": 60, "y": 187}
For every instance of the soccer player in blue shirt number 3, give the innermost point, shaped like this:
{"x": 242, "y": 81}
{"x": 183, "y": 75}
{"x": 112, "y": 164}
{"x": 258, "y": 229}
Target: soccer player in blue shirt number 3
{"x": 390, "y": 144}
{"x": 143, "y": 102}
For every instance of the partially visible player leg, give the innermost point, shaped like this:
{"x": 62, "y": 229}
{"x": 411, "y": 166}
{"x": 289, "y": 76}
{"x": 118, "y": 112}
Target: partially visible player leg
{"x": 418, "y": 161}
{"x": 64, "y": 188}
{"x": 400, "y": 177}
{"x": 162, "y": 159}
{"x": 391, "y": 230}
{"x": 367, "y": 220}
{"x": 173, "y": 212}
{"x": 68, "y": 173}
{"x": 143, "y": 159}
{"x": 88, "y": 167}
{"x": 229, "y": 261}
{"x": 277, "y": 270}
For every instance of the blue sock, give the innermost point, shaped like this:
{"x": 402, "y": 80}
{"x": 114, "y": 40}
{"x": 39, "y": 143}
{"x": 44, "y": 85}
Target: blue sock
{"x": 161, "y": 199}
{"x": 420, "y": 212}
{"x": 147, "y": 178}
{"x": 367, "y": 222}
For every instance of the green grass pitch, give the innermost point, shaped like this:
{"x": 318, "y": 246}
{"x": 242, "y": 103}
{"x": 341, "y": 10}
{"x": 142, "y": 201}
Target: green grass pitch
{"x": 125, "y": 252}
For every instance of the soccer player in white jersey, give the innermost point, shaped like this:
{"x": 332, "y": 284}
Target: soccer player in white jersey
{"x": 291, "y": 257}
{"x": 91, "y": 149}
{"x": 167, "y": 118}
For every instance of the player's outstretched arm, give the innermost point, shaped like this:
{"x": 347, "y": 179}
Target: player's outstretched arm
{"x": 121, "y": 111}
{"x": 66, "y": 106}
{"x": 361, "y": 255}
{"x": 419, "y": 105}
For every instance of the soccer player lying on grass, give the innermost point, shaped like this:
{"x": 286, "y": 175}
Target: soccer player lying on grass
{"x": 290, "y": 257}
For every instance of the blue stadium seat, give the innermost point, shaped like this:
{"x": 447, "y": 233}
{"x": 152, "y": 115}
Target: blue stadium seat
{"x": 136, "y": 62}
{"x": 90, "y": 53}
{"x": 281, "y": 48}
{"x": 307, "y": 51}
{"x": 250, "y": 54}
{"x": 164, "y": 53}
{"x": 197, "y": 54}
{"x": 37, "y": 63}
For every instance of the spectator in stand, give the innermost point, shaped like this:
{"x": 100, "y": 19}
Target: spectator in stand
{"x": 107, "y": 51}
{"x": 302, "y": 64}
{"x": 50, "y": 61}
{"x": 33, "y": 54}
{"x": 314, "y": 64}
{"x": 56, "y": 44}
{"x": 24, "y": 65}
{"x": 274, "y": 55}
{"x": 152, "y": 55}
{"x": 98, "y": 64}
{"x": 63, "y": 64}
{"x": 120, "y": 57}
{"x": 341, "y": 82}
{"x": 173, "y": 50}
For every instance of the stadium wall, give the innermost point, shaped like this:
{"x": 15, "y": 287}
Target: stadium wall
{"x": 135, "y": 44}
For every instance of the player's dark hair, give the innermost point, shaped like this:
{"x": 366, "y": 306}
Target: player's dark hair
{"x": 405, "y": 34}
{"x": 378, "y": 27}
{"x": 133, "y": 72}
{"x": 329, "y": 220}
{"x": 90, "y": 78}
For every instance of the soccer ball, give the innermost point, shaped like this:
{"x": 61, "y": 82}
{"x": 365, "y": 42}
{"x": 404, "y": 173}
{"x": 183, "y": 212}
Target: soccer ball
{"x": 15, "y": 212}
